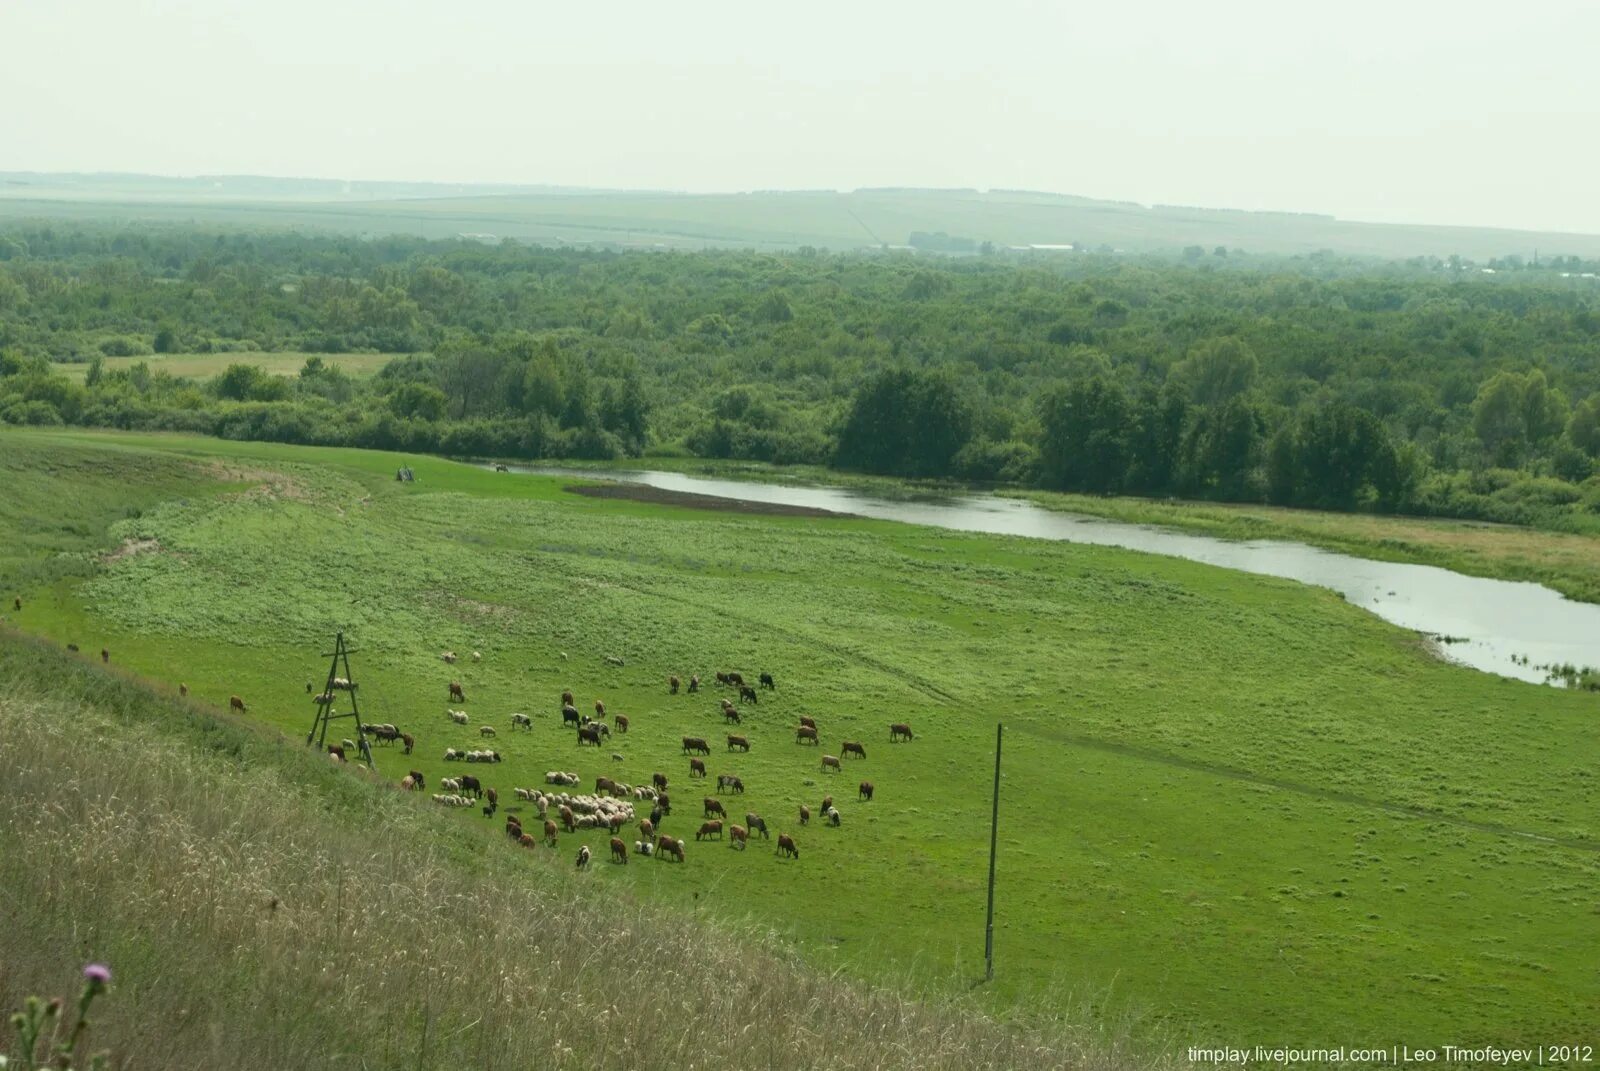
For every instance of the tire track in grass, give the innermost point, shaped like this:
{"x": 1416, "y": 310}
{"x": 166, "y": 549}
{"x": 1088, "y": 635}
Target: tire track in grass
{"x": 1233, "y": 773}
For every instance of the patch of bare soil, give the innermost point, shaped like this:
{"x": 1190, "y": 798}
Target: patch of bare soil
{"x": 639, "y": 492}
{"x": 131, "y": 547}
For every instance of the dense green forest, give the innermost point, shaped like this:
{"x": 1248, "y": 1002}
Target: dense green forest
{"x": 1426, "y": 386}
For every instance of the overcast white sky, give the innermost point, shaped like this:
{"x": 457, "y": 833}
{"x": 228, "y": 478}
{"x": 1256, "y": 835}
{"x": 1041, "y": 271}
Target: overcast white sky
{"x": 1401, "y": 110}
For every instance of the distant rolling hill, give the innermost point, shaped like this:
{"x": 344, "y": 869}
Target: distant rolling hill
{"x": 860, "y": 219}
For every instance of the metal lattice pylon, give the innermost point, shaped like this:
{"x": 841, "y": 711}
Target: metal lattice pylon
{"x": 325, "y": 713}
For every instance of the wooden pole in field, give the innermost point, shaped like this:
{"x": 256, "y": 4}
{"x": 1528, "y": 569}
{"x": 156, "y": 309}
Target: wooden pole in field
{"x": 994, "y": 841}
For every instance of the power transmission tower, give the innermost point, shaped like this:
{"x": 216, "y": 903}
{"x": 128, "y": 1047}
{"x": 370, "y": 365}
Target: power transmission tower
{"x": 325, "y": 713}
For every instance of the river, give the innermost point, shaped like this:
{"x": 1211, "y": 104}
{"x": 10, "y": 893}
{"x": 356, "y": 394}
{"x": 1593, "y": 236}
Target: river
{"x": 1500, "y": 626}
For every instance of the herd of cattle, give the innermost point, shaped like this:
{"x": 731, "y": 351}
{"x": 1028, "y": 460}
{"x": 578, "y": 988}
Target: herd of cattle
{"x": 611, "y": 805}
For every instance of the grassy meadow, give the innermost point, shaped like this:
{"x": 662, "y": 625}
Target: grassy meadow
{"x": 207, "y": 365}
{"x": 1234, "y": 808}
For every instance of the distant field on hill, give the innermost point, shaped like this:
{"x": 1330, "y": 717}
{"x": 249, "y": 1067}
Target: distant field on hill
{"x": 1233, "y": 806}
{"x": 206, "y": 365}
{"x": 860, "y": 219}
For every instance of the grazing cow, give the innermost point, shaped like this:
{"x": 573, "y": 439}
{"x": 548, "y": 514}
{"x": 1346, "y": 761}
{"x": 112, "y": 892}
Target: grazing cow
{"x": 709, "y": 829}
{"x": 736, "y": 679}
{"x": 622, "y": 723}
{"x": 550, "y": 832}
{"x": 695, "y": 743}
{"x": 748, "y": 693}
{"x": 471, "y": 784}
{"x": 183, "y": 689}
{"x": 722, "y": 678}
{"x": 852, "y": 747}
{"x": 831, "y": 762}
{"x": 787, "y": 846}
{"x": 737, "y": 837}
{"x": 827, "y": 804}
{"x": 615, "y": 820}
{"x": 513, "y": 823}
{"x": 456, "y": 693}
{"x": 647, "y": 828}
{"x": 666, "y": 846}
{"x": 656, "y": 814}
{"x": 694, "y": 683}
{"x": 767, "y": 683}
{"x": 492, "y": 796}
{"x": 697, "y": 768}
{"x": 235, "y": 703}
{"x": 416, "y": 775}
{"x": 521, "y": 721}
{"x": 730, "y": 782}
{"x": 583, "y": 857}
{"x": 589, "y": 734}
{"x": 672, "y": 685}
{"x": 569, "y": 821}
{"x": 865, "y": 792}
{"x": 526, "y": 840}
{"x": 604, "y": 784}
{"x": 566, "y": 699}
{"x": 16, "y": 604}
{"x": 486, "y": 730}
{"x": 714, "y": 806}
{"x": 756, "y": 823}
{"x": 898, "y": 731}
{"x": 805, "y": 815}
{"x": 663, "y": 804}
{"x": 804, "y": 733}
{"x": 105, "y": 656}
{"x": 599, "y": 709}
{"x": 738, "y": 742}
{"x": 74, "y": 649}
{"x": 730, "y": 713}
{"x": 570, "y": 716}
{"x": 659, "y": 780}
{"x": 409, "y": 741}
{"x": 619, "y": 851}
{"x": 809, "y": 723}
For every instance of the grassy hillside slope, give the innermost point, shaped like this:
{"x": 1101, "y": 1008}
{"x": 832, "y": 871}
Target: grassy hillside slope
{"x": 859, "y": 219}
{"x": 261, "y": 909}
{"x": 1232, "y": 805}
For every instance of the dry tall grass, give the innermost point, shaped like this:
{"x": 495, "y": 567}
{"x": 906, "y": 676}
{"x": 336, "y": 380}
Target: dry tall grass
{"x": 262, "y": 910}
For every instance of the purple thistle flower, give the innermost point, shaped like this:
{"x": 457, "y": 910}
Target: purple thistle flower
{"x": 98, "y": 972}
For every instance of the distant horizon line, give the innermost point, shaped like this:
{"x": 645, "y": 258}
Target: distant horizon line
{"x": 552, "y": 188}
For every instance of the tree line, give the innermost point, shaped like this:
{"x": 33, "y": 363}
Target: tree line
{"x": 1310, "y": 381}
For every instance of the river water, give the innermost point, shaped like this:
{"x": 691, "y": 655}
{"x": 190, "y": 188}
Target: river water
{"x": 1503, "y": 626}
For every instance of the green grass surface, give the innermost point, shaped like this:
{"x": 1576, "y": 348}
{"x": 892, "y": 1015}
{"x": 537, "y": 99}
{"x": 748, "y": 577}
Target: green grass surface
{"x": 1233, "y": 806}
{"x": 206, "y": 365}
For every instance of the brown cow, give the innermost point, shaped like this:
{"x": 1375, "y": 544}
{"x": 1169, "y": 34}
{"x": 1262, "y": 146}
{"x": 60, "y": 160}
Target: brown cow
{"x": 669, "y": 846}
{"x": 492, "y": 796}
{"x": 809, "y": 723}
{"x": 550, "y": 832}
{"x": 647, "y": 828}
{"x": 831, "y": 762}
{"x": 615, "y": 821}
{"x": 731, "y": 714}
{"x": 709, "y": 829}
{"x": 409, "y": 741}
{"x": 738, "y": 742}
{"x": 672, "y": 685}
{"x": 827, "y": 804}
{"x": 183, "y": 689}
{"x": 606, "y": 785}
{"x": 235, "y": 703}
{"x": 748, "y": 694}
{"x": 513, "y": 827}
{"x": 105, "y": 655}
{"x": 865, "y": 792}
{"x": 852, "y": 747}
{"x": 787, "y": 846}
{"x": 805, "y": 815}
{"x": 622, "y": 723}
{"x": 756, "y": 822}
{"x": 589, "y": 734}
{"x": 899, "y": 730}
{"x": 569, "y": 821}
{"x": 722, "y": 678}
{"x": 456, "y": 693}
{"x": 526, "y": 840}
{"x": 737, "y": 837}
{"x": 599, "y": 709}
{"x": 566, "y": 699}
{"x": 694, "y": 683}
{"x": 416, "y": 775}
{"x": 714, "y": 806}
{"x": 659, "y": 780}
{"x": 619, "y": 850}
{"x": 697, "y": 768}
{"x": 736, "y": 678}
{"x": 16, "y": 604}
{"x": 695, "y": 743}
{"x": 804, "y": 733}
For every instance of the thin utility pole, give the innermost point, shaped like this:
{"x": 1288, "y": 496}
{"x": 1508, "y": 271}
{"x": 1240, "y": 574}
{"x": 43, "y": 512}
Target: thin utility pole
{"x": 994, "y": 841}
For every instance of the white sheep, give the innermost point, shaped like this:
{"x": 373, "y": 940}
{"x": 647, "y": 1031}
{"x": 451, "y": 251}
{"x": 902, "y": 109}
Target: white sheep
{"x": 476, "y": 657}
{"x": 486, "y": 730}
{"x": 452, "y": 755}
{"x": 458, "y": 716}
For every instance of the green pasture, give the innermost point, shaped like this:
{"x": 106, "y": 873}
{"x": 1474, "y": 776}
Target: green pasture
{"x": 1237, "y": 808}
{"x": 206, "y": 365}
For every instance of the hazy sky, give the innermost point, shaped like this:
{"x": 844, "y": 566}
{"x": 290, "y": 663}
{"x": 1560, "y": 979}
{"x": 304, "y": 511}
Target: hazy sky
{"x": 1405, "y": 110}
